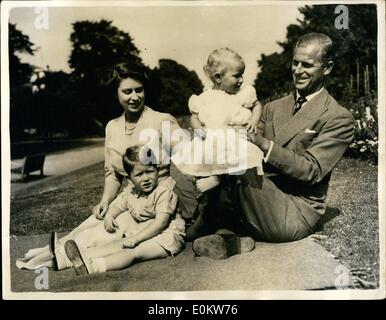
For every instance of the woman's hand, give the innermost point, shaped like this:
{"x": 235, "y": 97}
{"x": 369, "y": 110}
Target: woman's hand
{"x": 110, "y": 224}
{"x": 100, "y": 210}
{"x": 129, "y": 242}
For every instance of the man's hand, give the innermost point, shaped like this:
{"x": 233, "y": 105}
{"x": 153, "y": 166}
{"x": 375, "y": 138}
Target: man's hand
{"x": 129, "y": 242}
{"x": 100, "y": 210}
{"x": 258, "y": 140}
{"x": 110, "y": 224}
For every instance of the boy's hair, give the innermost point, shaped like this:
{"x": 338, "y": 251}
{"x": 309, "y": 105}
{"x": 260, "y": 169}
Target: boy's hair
{"x": 216, "y": 61}
{"x": 139, "y": 154}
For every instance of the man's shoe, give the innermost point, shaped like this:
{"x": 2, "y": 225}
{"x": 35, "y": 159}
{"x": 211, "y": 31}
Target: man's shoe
{"x": 225, "y": 231}
{"x": 222, "y": 246}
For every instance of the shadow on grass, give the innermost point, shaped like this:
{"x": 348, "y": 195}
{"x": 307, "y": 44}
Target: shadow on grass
{"x": 29, "y": 178}
{"x": 22, "y": 149}
{"x": 331, "y": 213}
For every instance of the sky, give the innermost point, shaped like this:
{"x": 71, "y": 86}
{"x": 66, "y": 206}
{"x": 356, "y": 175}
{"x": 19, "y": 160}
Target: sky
{"x": 184, "y": 33}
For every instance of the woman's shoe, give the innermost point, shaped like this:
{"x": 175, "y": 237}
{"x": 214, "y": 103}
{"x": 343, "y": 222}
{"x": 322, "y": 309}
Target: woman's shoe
{"x": 81, "y": 264}
{"x": 52, "y": 248}
{"x": 222, "y": 246}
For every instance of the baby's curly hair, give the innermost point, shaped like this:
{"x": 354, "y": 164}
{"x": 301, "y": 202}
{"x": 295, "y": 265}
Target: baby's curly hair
{"x": 215, "y": 64}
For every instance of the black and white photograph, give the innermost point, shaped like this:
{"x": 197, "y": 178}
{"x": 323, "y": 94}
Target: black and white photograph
{"x": 193, "y": 150}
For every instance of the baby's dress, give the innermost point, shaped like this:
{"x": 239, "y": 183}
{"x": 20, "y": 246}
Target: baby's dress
{"x": 224, "y": 150}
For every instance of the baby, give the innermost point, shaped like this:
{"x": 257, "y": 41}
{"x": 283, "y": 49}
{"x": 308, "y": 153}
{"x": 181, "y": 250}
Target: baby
{"x": 227, "y": 104}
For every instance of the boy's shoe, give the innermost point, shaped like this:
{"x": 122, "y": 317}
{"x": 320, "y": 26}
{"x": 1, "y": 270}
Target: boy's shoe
{"x": 81, "y": 264}
{"x": 222, "y": 246}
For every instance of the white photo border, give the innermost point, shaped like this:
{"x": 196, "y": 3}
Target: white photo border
{"x": 378, "y": 293}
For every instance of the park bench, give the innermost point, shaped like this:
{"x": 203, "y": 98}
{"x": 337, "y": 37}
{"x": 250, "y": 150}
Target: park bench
{"x": 30, "y": 163}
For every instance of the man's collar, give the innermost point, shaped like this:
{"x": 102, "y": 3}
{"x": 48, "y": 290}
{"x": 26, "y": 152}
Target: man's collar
{"x": 310, "y": 96}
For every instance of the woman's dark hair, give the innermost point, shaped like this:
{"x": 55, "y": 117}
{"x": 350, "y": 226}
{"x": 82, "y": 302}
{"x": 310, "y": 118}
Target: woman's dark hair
{"x": 136, "y": 70}
{"x": 141, "y": 154}
{"x": 131, "y": 69}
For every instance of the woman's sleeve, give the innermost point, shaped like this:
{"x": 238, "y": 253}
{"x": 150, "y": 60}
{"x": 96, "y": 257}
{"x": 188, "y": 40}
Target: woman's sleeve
{"x": 166, "y": 201}
{"x": 170, "y": 142}
{"x": 173, "y": 123}
{"x": 249, "y": 97}
{"x": 110, "y": 173}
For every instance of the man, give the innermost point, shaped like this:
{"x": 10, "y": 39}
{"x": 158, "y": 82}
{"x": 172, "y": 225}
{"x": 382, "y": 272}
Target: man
{"x": 303, "y": 137}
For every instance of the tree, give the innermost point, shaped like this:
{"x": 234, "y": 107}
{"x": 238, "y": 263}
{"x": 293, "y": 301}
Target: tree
{"x": 97, "y": 46}
{"x": 355, "y": 48}
{"x": 175, "y": 86}
{"x": 19, "y": 77}
{"x": 20, "y": 73}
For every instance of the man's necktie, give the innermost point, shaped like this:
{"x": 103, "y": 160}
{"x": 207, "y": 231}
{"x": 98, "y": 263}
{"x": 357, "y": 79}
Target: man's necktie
{"x": 299, "y": 102}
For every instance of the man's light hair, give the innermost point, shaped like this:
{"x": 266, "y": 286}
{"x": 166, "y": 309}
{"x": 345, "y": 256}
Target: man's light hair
{"x": 326, "y": 47}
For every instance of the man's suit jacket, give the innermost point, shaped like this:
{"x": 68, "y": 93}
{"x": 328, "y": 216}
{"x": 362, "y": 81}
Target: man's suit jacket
{"x": 306, "y": 147}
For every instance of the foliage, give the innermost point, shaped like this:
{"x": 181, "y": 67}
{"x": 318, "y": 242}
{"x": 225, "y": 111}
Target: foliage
{"x": 19, "y": 77}
{"x": 175, "y": 84}
{"x": 19, "y": 43}
{"x": 79, "y": 104}
{"x": 365, "y": 144}
{"x": 97, "y": 46}
{"x": 355, "y": 48}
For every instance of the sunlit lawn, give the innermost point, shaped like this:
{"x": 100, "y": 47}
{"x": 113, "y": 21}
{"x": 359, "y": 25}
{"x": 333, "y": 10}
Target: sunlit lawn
{"x": 349, "y": 230}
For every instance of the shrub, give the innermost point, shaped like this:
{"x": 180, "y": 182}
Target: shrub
{"x": 365, "y": 143}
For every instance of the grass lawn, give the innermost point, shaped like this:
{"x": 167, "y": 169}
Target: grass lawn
{"x": 349, "y": 229}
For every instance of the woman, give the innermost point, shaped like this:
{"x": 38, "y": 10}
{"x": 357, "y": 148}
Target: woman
{"x": 138, "y": 122}
{"x": 126, "y": 130}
